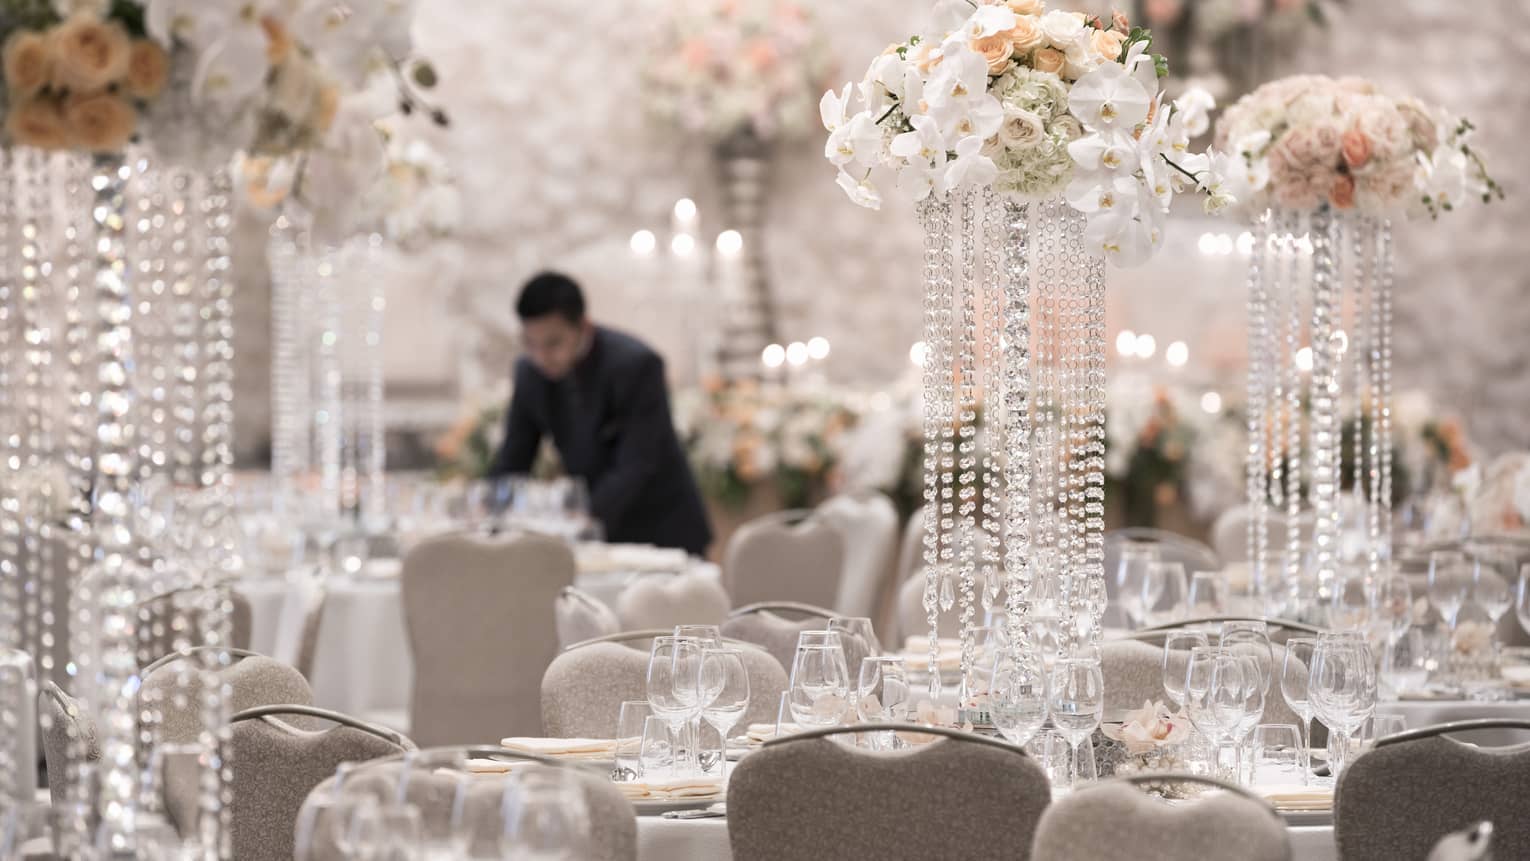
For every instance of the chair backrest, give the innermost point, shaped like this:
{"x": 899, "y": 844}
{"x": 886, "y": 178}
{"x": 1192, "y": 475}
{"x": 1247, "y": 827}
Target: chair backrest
{"x": 65, "y": 720}
{"x": 798, "y": 796}
{"x": 157, "y": 633}
{"x": 694, "y": 597}
{"x": 1116, "y": 819}
{"x": 777, "y": 635}
{"x": 580, "y": 616}
{"x": 1229, "y": 534}
{"x": 911, "y": 546}
{"x": 585, "y": 686}
{"x": 172, "y": 687}
{"x": 772, "y": 559}
{"x": 430, "y": 780}
{"x": 1133, "y": 671}
{"x": 479, "y": 615}
{"x": 1398, "y": 799}
{"x": 275, "y": 765}
{"x": 868, "y": 527}
{"x": 912, "y": 621}
{"x": 1172, "y": 547}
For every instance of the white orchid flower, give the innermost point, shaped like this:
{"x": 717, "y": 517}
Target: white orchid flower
{"x": 961, "y": 75}
{"x": 834, "y": 108}
{"x": 970, "y": 167}
{"x": 856, "y": 142}
{"x": 860, "y": 191}
{"x": 919, "y": 181}
{"x": 232, "y": 68}
{"x": 987, "y": 21}
{"x": 1192, "y": 111}
{"x": 1109, "y": 99}
{"x": 1140, "y": 64}
{"x": 1097, "y": 152}
{"x": 1125, "y": 243}
{"x": 924, "y": 145}
{"x": 981, "y": 118}
{"x": 1101, "y": 193}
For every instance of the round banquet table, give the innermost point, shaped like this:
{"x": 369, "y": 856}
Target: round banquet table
{"x": 1417, "y": 714}
{"x": 362, "y": 665}
{"x": 662, "y": 839}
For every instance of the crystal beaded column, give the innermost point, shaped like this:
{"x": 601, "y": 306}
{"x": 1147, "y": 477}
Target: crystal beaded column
{"x": 1367, "y": 470}
{"x": 328, "y": 429}
{"x": 1382, "y": 393}
{"x": 1260, "y": 377}
{"x": 992, "y": 441}
{"x": 966, "y": 429}
{"x": 1327, "y": 358}
{"x": 12, "y": 636}
{"x": 1291, "y": 288}
{"x": 1093, "y": 453}
{"x": 291, "y": 377}
{"x": 935, "y": 216}
{"x": 1016, "y": 384}
{"x": 184, "y": 191}
{"x": 373, "y": 443}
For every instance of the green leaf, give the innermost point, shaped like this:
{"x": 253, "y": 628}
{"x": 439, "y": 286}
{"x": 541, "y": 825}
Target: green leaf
{"x": 130, "y": 15}
{"x": 425, "y": 75}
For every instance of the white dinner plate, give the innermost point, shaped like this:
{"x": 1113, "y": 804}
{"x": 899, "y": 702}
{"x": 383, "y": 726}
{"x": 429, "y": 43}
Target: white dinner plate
{"x": 656, "y": 806}
{"x": 1306, "y": 818}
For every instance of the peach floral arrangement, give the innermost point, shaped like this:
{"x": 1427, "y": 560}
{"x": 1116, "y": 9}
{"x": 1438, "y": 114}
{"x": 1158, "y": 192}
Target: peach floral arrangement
{"x": 1308, "y": 141}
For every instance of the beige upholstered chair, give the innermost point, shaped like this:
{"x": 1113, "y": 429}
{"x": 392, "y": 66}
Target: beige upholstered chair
{"x": 158, "y": 636}
{"x": 275, "y": 765}
{"x": 1171, "y": 547}
{"x": 1229, "y": 535}
{"x": 1397, "y": 800}
{"x": 766, "y": 625}
{"x": 172, "y": 687}
{"x": 868, "y": 528}
{"x": 65, "y": 720}
{"x": 581, "y": 616}
{"x": 912, "y": 621}
{"x": 667, "y": 600}
{"x": 773, "y": 558}
{"x": 807, "y": 796}
{"x": 1116, "y": 819}
{"x": 585, "y": 686}
{"x": 479, "y": 614}
{"x": 437, "y": 780}
{"x": 1133, "y": 672}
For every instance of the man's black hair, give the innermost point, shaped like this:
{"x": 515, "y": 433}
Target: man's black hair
{"x": 551, "y": 293}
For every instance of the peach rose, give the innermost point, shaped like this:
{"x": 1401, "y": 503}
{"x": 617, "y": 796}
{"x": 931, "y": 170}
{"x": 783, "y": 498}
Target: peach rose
{"x": 1119, "y": 20}
{"x": 1310, "y": 147}
{"x": 100, "y": 123}
{"x": 1356, "y": 148}
{"x": 996, "y": 50}
{"x": 1342, "y": 193}
{"x": 278, "y": 40}
{"x": 325, "y": 106}
{"x": 1025, "y": 35}
{"x": 90, "y": 54}
{"x": 28, "y": 64}
{"x": 1024, "y": 7}
{"x": 37, "y": 123}
{"x": 762, "y": 54}
{"x": 1106, "y": 44}
{"x": 1421, "y": 125}
{"x": 148, "y": 70}
{"x": 1049, "y": 60}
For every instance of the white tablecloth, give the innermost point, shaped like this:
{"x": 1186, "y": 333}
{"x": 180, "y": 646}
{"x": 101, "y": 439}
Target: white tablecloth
{"x": 362, "y": 664}
{"x": 662, "y": 839}
{"x": 1421, "y": 713}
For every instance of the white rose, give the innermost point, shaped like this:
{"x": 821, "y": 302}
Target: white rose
{"x": 1062, "y": 29}
{"x": 1081, "y": 58}
{"x": 1070, "y": 127}
{"x": 1021, "y": 130}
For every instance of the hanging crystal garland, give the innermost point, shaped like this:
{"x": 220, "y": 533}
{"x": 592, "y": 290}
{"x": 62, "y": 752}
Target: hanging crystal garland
{"x": 936, "y": 218}
{"x": 1262, "y": 379}
{"x": 1014, "y": 379}
{"x": 966, "y": 421}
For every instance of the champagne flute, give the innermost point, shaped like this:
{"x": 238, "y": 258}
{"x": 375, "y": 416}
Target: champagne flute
{"x": 1076, "y": 696}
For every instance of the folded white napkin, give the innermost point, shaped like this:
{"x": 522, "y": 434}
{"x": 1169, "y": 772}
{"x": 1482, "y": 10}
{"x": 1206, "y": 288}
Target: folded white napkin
{"x": 759, "y": 733}
{"x": 595, "y": 558}
{"x": 489, "y": 766}
{"x": 1297, "y": 798}
{"x": 666, "y": 789}
{"x": 566, "y": 748}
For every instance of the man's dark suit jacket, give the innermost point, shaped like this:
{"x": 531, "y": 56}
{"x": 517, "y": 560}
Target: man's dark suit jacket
{"x": 610, "y": 421}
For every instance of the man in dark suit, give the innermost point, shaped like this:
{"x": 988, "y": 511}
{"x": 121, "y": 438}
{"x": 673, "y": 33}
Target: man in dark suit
{"x": 601, "y": 396}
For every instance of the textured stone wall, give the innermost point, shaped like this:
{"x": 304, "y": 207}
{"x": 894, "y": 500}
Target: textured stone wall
{"x": 559, "y": 168}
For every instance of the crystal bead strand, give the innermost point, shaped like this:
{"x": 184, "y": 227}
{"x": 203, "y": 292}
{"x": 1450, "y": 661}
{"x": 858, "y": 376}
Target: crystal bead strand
{"x": 374, "y": 449}
{"x": 328, "y": 427}
{"x": 289, "y": 377}
{"x": 934, "y": 214}
{"x": 1017, "y": 414}
{"x": 1325, "y": 394}
{"x": 34, "y": 190}
{"x": 1051, "y": 512}
{"x": 991, "y": 444}
{"x": 946, "y": 399}
{"x": 1384, "y": 285}
{"x": 115, "y": 575}
{"x": 1078, "y": 283}
{"x": 11, "y": 634}
{"x": 1367, "y": 458}
{"x": 1259, "y": 376}
{"x": 1290, "y": 285}
{"x": 1041, "y": 401}
{"x": 1094, "y": 449}
{"x": 966, "y": 428}
{"x": 185, "y": 405}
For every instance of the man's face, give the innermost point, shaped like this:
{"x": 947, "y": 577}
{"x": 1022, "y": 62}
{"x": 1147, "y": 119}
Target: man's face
{"x": 553, "y": 343}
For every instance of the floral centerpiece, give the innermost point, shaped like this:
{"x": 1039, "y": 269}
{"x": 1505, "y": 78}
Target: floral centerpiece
{"x": 1498, "y": 497}
{"x": 1150, "y": 736}
{"x": 1307, "y": 141}
{"x": 1147, "y": 444}
{"x": 728, "y": 68}
{"x": 1035, "y": 104}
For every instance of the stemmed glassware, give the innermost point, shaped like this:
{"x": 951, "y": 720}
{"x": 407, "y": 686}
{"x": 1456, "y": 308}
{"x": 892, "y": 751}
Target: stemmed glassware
{"x": 546, "y": 817}
{"x": 1342, "y": 689}
{"x": 1138, "y": 584}
{"x": 1252, "y": 640}
{"x": 1076, "y": 698}
{"x": 1166, "y": 580}
{"x": 883, "y": 694}
{"x": 820, "y": 684}
{"x": 1522, "y": 597}
{"x": 1450, "y": 584}
{"x": 1204, "y": 598}
{"x": 1017, "y": 696}
{"x": 1295, "y": 671}
{"x": 1176, "y": 660}
{"x": 725, "y": 692}
{"x": 1201, "y": 695}
{"x": 1253, "y": 694}
{"x": 1490, "y": 585}
{"x": 674, "y": 690}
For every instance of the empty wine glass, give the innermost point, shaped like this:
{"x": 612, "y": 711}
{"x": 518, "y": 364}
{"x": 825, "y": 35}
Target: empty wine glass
{"x": 1522, "y": 598}
{"x": 1342, "y": 688}
{"x": 1295, "y": 672}
{"x": 1450, "y": 583}
{"x": 1017, "y": 697}
{"x": 861, "y": 627}
{"x": 546, "y": 816}
{"x": 1166, "y": 584}
{"x": 1076, "y": 698}
{"x": 820, "y": 686}
{"x": 1349, "y": 608}
{"x": 1253, "y": 713}
{"x": 1490, "y": 584}
{"x": 725, "y": 686}
{"x": 1135, "y": 591}
{"x": 1200, "y": 701}
{"x": 1251, "y": 639}
{"x": 1205, "y": 598}
{"x": 883, "y": 694}
{"x": 1394, "y": 603}
{"x": 709, "y": 635}
{"x": 674, "y": 688}
{"x": 1176, "y": 658}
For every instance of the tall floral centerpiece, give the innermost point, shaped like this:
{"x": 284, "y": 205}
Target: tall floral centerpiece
{"x": 741, "y": 75}
{"x": 1323, "y": 166}
{"x": 1038, "y": 145}
{"x": 120, "y": 119}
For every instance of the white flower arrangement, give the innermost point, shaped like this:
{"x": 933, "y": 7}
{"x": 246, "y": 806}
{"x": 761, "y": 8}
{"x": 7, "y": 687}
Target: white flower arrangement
{"x": 1032, "y": 103}
{"x": 723, "y": 68}
{"x": 1308, "y": 141}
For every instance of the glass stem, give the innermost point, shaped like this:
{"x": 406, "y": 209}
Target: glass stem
{"x": 1306, "y": 742}
{"x": 1340, "y": 756}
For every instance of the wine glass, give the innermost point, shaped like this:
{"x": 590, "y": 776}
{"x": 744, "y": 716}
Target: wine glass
{"x": 674, "y": 688}
{"x": 1133, "y": 587}
{"x": 1522, "y": 598}
{"x": 1165, "y": 580}
{"x": 857, "y": 626}
{"x": 1200, "y": 703}
{"x": 725, "y": 685}
{"x": 820, "y": 686}
{"x": 546, "y": 816}
{"x": 1017, "y": 697}
{"x": 709, "y": 635}
{"x": 1231, "y": 681}
{"x": 1342, "y": 689}
{"x": 1204, "y": 597}
{"x": 1076, "y": 697}
{"x": 1253, "y": 712}
{"x": 1394, "y": 604}
{"x": 1176, "y": 658}
{"x": 883, "y": 694}
{"x": 1450, "y": 583}
{"x": 1349, "y": 609}
{"x": 1490, "y": 584}
{"x": 1295, "y": 671}
{"x": 1250, "y": 638}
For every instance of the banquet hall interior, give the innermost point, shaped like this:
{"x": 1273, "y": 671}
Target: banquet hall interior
{"x": 763, "y": 429}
